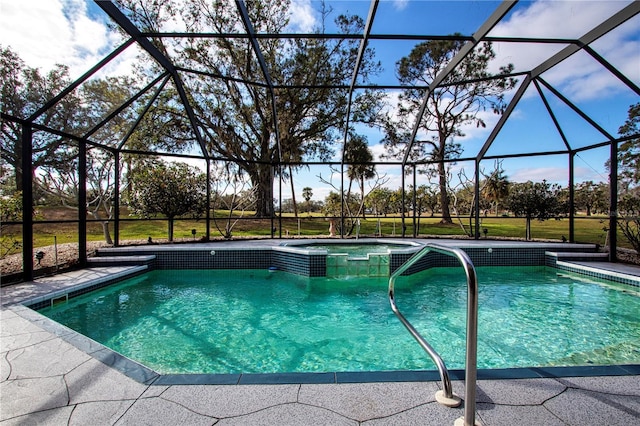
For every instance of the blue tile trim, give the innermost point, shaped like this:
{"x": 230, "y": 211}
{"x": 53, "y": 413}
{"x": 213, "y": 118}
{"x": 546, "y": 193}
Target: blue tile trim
{"x": 207, "y": 259}
{"x": 599, "y": 273}
{"x": 631, "y": 369}
{"x": 479, "y": 256}
{"x": 197, "y": 379}
{"x": 302, "y": 262}
{"x": 582, "y": 371}
{"x": 387, "y": 376}
{"x": 286, "y": 378}
{"x": 395, "y": 376}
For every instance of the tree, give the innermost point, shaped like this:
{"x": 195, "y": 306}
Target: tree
{"x": 463, "y": 201}
{"x": 23, "y": 91}
{"x": 61, "y": 183}
{"x": 629, "y": 221}
{"x": 333, "y": 208}
{"x": 629, "y": 169}
{"x": 60, "y": 180}
{"x": 358, "y": 157}
{"x": 539, "y": 200}
{"x": 496, "y": 186}
{"x": 379, "y": 201}
{"x": 592, "y": 197}
{"x": 307, "y": 193}
{"x": 10, "y": 211}
{"x": 235, "y": 114}
{"x": 353, "y": 205}
{"x": 287, "y": 205}
{"x": 450, "y": 106}
{"x": 395, "y": 201}
{"x": 629, "y": 151}
{"x": 425, "y": 199}
{"x": 170, "y": 189}
{"x": 231, "y": 194}
{"x": 55, "y": 159}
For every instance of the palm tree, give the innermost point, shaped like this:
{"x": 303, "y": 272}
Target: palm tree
{"x": 307, "y": 193}
{"x": 358, "y": 156}
{"x": 496, "y": 187}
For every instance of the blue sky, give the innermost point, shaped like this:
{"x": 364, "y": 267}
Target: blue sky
{"x": 45, "y": 32}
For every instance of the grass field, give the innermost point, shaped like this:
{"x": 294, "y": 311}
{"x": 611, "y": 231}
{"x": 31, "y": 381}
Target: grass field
{"x": 587, "y": 230}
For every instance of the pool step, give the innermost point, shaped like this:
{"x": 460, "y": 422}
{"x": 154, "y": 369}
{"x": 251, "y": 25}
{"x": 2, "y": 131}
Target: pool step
{"x": 578, "y": 256}
{"x": 121, "y": 260}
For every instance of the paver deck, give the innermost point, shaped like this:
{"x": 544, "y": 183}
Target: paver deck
{"x": 46, "y": 380}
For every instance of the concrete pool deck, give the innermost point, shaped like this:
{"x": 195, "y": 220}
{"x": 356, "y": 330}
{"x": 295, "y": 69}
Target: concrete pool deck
{"x": 45, "y": 379}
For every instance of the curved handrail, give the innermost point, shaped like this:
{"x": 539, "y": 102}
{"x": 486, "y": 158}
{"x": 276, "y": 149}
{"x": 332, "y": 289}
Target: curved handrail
{"x": 472, "y": 326}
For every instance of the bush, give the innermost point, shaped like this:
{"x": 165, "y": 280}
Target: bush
{"x": 629, "y": 219}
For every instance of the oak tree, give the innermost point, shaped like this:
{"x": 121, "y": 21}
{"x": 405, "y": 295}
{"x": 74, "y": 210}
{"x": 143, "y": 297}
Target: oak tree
{"x": 171, "y": 190}
{"x": 535, "y": 200}
{"x": 24, "y": 90}
{"x": 234, "y": 107}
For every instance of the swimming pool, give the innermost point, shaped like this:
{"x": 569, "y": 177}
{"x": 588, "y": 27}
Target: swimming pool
{"x": 230, "y": 321}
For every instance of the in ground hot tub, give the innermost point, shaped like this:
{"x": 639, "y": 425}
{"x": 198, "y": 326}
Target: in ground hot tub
{"x": 334, "y": 258}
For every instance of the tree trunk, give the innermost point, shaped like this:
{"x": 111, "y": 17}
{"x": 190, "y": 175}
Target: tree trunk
{"x": 293, "y": 193}
{"x": 528, "y": 229}
{"x": 105, "y": 227}
{"x": 170, "y": 230}
{"x": 364, "y": 216}
{"x": 444, "y": 197}
{"x": 347, "y": 213}
{"x": 472, "y": 217}
{"x": 106, "y": 232}
{"x": 18, "y": 177}
{"x": 262, "y": 180}
{"x": 17, "y": 163}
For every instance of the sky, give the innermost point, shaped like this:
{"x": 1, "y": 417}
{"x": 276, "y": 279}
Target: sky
{"x": 74, "y": 32}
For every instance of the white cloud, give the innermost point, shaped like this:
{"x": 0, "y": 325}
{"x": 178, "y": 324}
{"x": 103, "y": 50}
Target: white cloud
{"x": 592, "y": 83}
{"x": 472, "y": 131}
{"x": 538, "y": 174}
{"x": 377, "y": 150}
{"x": 400, "y": 4}
{"x": 301, "y": 16}
{"x": 45, "y": 33}
{"x": 581, "y": 76}
{"x": 562, "y": 19}
{"x": 559, "y": 175}
{"x": 32, "y": 28}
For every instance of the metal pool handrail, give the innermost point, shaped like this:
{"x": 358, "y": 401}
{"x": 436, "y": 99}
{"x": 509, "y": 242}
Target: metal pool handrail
{"x": 448, "y": 398}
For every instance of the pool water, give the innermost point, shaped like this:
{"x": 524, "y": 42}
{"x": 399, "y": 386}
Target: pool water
{"x": 254, "y": 321}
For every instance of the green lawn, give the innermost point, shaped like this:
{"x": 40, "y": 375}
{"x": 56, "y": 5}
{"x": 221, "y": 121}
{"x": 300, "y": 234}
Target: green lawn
{"x": 588, "y": 230}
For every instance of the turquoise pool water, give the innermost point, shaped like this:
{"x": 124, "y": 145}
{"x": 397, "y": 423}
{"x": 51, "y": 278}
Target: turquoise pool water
{"x": 231, "y": 321}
